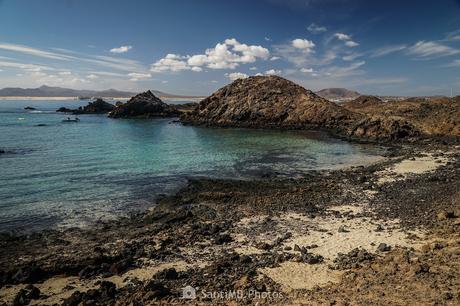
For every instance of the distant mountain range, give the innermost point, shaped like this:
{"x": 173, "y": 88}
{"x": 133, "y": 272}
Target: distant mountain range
{"x": 338, "y": 94}
{"x": 47, "y": 91}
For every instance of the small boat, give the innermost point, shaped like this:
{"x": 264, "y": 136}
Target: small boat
{"x": 71, "y": 120}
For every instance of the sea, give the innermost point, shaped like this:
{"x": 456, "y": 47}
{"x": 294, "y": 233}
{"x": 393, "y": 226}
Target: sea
{"x": 56, "y": 174}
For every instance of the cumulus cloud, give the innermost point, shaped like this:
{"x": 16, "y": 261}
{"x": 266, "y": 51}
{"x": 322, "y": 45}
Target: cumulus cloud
{"x": 429, "y": 49}
{"x": 275, "y": 58}
{"x": 347, "y": 39}
{"x": 316, "y": 29}
{"x": 351, "y": 44}
{"x": 307, "y": 70}
{"x": 236, "y": 75}
{"x": 303, "y": 44}
{"x": 65, "y": 73}
{"x": 343, "y": 37}
{"x": 272, "y": 72}
{"x": 227, "y": 55}
{"x": 92, "y": 76}
{"x": 172, "y": 62}
{"x": 121, "y": 49}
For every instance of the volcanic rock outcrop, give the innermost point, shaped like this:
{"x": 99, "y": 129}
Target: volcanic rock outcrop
{"x": 433, "y": 117}
{"x": 362, "y": 101}
{"x": 274, "y": 102}
{"x": 97, "y": 107}
{"x": 144, "y": 105}
{"x": 268, "y": 101}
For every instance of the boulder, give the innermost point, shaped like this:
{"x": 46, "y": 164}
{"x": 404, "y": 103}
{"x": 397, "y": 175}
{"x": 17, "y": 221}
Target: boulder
{"x": 144, "y": 105}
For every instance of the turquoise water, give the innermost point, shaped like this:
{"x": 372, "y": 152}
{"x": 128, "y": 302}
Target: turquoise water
{"x": 74, "y": 174}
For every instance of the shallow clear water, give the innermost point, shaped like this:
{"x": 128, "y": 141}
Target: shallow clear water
{"x": 72, "y": 174}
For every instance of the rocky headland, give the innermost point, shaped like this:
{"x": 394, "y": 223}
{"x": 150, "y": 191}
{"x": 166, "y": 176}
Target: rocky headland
{"x": 96, "y": 107}
{"x": 274, "y": 102}
{"x": 144, "y": 105}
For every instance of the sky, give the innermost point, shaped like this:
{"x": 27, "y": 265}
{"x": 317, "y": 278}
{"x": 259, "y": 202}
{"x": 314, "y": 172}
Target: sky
{"x": 194, "y": 47}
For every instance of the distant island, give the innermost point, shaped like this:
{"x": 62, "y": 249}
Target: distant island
{"x": 47, "y": 91}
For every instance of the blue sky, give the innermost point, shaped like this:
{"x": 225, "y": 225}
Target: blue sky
{"x": 195, "y": 47}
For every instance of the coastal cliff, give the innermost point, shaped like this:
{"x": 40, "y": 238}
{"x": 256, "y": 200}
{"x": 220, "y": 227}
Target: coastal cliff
{"x": 144, "y": 105}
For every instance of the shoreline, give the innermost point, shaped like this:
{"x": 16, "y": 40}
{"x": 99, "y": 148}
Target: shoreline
{"x": 248, "y": 235}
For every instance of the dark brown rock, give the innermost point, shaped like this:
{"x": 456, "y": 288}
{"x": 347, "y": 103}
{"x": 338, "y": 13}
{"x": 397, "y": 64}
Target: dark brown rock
{"x": 144, "y": 105}
{"x": 97, "y": 107}
{"x": 268, "y": 101}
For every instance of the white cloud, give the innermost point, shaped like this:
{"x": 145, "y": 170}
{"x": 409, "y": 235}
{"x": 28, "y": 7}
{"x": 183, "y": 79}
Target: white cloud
{"x": 316, "y": 29}
{"x": 253, "y": 68}
{"x": 351, "y": 44}
{"x": 65, "y": 73}
{"x": 455, "y": 63}
{"x": 164, "y": 82}
{"x": 236, "y": 75}
{"x": 453, "y": 36}
{"x": 275, "y": 58}
{"x": 172, "y": 62}
{"x": 92, "y": 76}
{"x": 429, "y": 49}
{"x": 343, "y": 37}
{"x": 387, "y": 50}
{"x": 122, "y": 49}
{"x": 108, "y": 74}
{"x": 340, "y": 71}
{"x": 227, "y": 55}
{"x": 351, "y": 57}
{"x": 135, "y": 76}
{"x": 307, "y": 70}
{"x": 34, "y": 51}
{"x": 23, "y": 66}
{"x": 272, "y": 72}
{"x": 303, "y": 44}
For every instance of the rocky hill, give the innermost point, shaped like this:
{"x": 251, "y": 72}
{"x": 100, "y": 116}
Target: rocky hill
{"x": 144, "y": 105}
{"x": 338, "y": 94}
{"x": 438, "y": 116}
{"x": 274, "y": 102}
{"x": 268, "y": 101}
{"x": 362, "y": 101}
